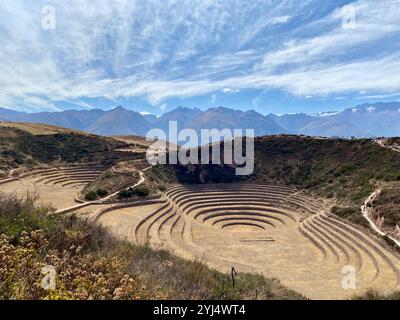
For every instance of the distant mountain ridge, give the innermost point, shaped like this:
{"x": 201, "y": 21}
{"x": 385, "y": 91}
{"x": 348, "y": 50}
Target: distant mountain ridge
{"x": 367, "y": 120}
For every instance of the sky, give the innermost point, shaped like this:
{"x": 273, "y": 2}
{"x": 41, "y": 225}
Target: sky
{"x": 283, "y": 56}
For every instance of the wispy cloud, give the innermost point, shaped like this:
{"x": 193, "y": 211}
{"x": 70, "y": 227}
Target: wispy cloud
{"x": 229, "y": 90}
{"x": 160, "y": 49}
{"x": 380, "y": 96}
{"x": 282, "y": 19}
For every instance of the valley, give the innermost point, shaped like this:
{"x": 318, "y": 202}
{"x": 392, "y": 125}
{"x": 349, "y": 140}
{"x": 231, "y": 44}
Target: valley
{"x": 278, "y": 222}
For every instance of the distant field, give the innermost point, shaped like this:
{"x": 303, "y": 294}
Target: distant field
{"x": 38, "y": 129}
{"x": 141, "y": 141}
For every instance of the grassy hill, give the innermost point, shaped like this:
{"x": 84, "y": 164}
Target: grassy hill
{"x": 39, "y": 129}
{"x": 387, "y": 205}
{"x": 30, "y": 144}
{"x": 344, "y": 169}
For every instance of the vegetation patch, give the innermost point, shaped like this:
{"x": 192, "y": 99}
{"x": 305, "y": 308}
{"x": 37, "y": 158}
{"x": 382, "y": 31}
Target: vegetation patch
{"x": 93, "y": 195}
{"x": 109, "y": 182}
{"x": 20, "y": 147}
{"x": 139, "y": 191}
{"x": 387, "y": 205}
{"x": 374, "y": 295}
{"x": 352, "y": 214}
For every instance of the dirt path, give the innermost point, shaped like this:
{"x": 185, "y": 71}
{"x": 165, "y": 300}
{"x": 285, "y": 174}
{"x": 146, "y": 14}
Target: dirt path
{"x": 9, "y": 178}
{"x": 142, "y": 179}
{"x": 382, "y": 143}
{"x": 366, "y": 210}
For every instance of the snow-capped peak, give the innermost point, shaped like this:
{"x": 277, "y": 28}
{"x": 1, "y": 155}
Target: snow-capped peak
{"x": 323, "y": 114}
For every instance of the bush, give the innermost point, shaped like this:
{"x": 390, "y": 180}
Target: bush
{"x": 101, "y": 193}
{"x": 140, "y": 191}
{"x": 124, "y": 194}
{"x": 162, "y": 188}
{"x": 91, "y": 195}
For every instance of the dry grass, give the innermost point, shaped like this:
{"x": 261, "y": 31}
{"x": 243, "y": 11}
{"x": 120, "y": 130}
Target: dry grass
{"x": 374, "y": 295}
{"x": 38, "y": 129}
{"x": 135, "y": 140}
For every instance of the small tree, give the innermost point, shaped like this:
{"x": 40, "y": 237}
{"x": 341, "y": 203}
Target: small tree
{"x": 91, "y": 195}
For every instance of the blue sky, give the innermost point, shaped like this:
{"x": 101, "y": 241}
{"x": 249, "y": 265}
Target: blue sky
{"x": 155, "y": 55}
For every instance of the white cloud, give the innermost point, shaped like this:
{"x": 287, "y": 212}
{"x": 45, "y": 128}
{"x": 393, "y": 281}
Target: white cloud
{"x": 145, "y": 113}
{"x": 375, "y": 21}
{"x": 229, "y": 90}
{"x": 281, "y": 19}
{"x": 380, "y": 96}
{"x": 255, "y": 102}
{"x": 164, "y": 49}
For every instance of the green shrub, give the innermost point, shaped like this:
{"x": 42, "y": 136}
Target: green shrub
{"x": 91, "y": 195}
{"x": 101, "y": 193}
{"x": 140, "y": 191}
{"x": 162, "y": 188}
{"x": 125, "y": 194}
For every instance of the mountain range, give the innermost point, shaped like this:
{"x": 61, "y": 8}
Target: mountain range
{"x": 367, "y": 120}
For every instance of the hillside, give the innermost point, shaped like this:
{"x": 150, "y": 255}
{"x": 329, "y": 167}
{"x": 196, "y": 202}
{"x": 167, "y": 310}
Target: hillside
{"x": 224, "y": 118}
{"x": 132, "y": 139}
{"x": 32, "y": 144}
{"x": 119, "y": 121}
{"x": 329, "y": 166}
{"x": 39, "y": 128}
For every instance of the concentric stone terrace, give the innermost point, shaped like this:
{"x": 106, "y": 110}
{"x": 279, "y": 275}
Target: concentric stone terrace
{"x": 70, "y": 176}
{"x": 56, "y": 185}
{"x": 268, "y": 229}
